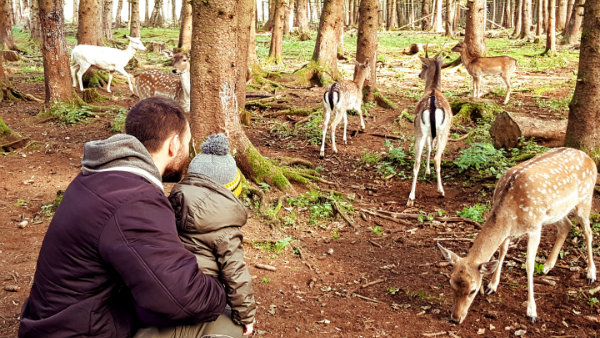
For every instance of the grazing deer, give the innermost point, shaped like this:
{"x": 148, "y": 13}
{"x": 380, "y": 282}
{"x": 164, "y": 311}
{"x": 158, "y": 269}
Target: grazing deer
{"x": 343, "y": 96}
{"x": 504, "y": 66}
{"x": 175, "y": 86}
{"x": 109, "y": 59}
{"x": 541, "y": 191}
{"x": 433, "y": 118}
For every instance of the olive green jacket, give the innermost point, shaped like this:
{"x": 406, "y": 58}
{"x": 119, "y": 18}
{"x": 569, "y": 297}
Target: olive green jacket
{"x": 209, "y": 220}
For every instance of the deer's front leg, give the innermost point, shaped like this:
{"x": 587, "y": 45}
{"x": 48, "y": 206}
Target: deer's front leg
{"x": 493, "y": 284}
{"x": 532, "y": 245}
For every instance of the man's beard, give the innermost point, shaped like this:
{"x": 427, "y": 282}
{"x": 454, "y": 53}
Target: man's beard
{"x": 174, "y": 171}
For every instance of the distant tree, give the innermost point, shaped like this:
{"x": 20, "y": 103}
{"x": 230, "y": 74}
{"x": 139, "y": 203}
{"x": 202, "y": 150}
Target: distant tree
{"x": 107, "y": 12}
{"x": 551, "y": 29}
{"x": 572, "y": 31}
{"x": 301, "y": 15}
{"x": 450, "y": 5}
{"x": 561, "y": 15}
{"x": 474, "y": 28}
{"x": 252, "y": 57}
{"x": 276, "y": 47}
{"x": 518, "y": 17}
{"x": 540, "y": 25}
{"x": 118, "y": 19}
{"x": 583, "y": 128}
{"x": 527, "y": 17}
{"x": 156, "y": 19}
{"x": 36, "y": 28}
{"x": 57, "y": 75}
{"x": 174, "y": 13}
{"x": 326, "y": 46}
{"x": 366, "y": 45}
{"x": 89, "y": 30}
{"x": 426, "y": 9}
{"x": 134, "y": 22}
{"x": 185, "y": 32}
{"x": 75, "y": 12}
{"x": 392, "y": 17}
{"x": 6, "y": 36}
{"x": 437, "y": 24}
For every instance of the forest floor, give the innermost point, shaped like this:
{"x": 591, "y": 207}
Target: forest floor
{"x": 371, "y": 277}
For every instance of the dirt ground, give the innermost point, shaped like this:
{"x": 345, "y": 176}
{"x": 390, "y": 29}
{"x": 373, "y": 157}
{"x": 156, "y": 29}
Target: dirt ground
{"x": 361, "y": 284}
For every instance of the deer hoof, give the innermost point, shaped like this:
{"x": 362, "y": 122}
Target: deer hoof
{"x": 591, "y": 280}
{"x": 410, "y": 203}
{"x": 489, "y": 290}
{"x": 532, "y": 319}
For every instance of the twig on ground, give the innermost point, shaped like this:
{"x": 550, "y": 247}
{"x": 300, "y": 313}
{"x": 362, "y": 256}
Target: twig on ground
{"x": 464, "y": 239}
{"x": 337, "y": 209}
{"x": 366, "y": 298}
{"x": 434, "y": 334}
{"x": 377, "y": 281}
{"x": 265, "y": 267}
{"x": 374, "y": 243}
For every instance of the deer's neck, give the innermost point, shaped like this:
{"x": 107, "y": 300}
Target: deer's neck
{"x": 130, "y": 51}
{"x": 434, "y": 82}
{"x": 489, "y": 239}
{"x": 185, "y": 83}
{"x": 360, "y": 80}
{"x": 466, "y": 58}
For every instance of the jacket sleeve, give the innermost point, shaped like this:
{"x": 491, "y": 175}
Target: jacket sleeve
{"x": 140, "y": 242}
{"x": 235, "y": 275}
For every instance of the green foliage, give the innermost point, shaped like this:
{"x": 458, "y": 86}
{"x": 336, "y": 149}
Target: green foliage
{"x": 68, "y": 113}
{"x": 265, "y": 280}
{"x": 50, "y": 209}
{"x": 369, "y": 158}
{"x": 474, "y": 212}
{"x": 377, "y": 230}
{"x": 419, "y": 294}
{"x": 539, "y": 268}
{"x": 483, "y": 158}
{"x": 392, "y": 290}
{"x": 4, "y": 129}
{"x": 275, "y": 247}
{"x": 117, "y": 125}
{"x": 319, "y": 206}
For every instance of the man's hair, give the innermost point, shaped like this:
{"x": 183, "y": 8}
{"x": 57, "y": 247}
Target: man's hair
{"x": 154, "y": 120}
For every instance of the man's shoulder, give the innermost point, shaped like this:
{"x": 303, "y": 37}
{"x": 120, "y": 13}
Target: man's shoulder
{"x": 116, "y": 187}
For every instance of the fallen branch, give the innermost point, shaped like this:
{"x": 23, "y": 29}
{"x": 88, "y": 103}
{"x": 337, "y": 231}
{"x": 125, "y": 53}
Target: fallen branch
{"x": 366, "y": 298}
{"x": 337, "y": 209}
{"x": 434, "y": 334}
{"x": 393, "y": 137}
{"x": 381, "y": 280}
{"x": 389, "y": 218}
{"x": 396, "y": 216}
{"x": 464, "y": 239}
{"x": 265, "y": 267}
{"x": 374, "y": 243}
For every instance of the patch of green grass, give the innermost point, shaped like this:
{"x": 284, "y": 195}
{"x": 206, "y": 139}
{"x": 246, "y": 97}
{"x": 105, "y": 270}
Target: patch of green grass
{"x": 28, "y": 70}
{"x": 276, "y": 247}
{"x": 319, "y": 206}
{"x": 369, "y": 158}
{"x": 483, "y": 158}
{"x": 539, "y": 268}
{"x": 67, "y": 113}
{"x": 265, "y": 280}
{"x": 474, "y": 212}
{"x": 419, "y": 294}
{"x": 377, "y": 230}
{"x": 117, "y": 125}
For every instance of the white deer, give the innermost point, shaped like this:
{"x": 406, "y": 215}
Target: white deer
{"x": 107, "y": 58}
{"x": 538, "y": 192}
{"x": 433, "y": 118}
{"x": 341, "y": 97}
{"x": 174, "y": 85}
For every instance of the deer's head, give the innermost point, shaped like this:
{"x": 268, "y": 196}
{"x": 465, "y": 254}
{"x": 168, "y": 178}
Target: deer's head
{"x": 465, "y": 280}
{"x": 181, "y": 63}
{"x": 136, "y": 43}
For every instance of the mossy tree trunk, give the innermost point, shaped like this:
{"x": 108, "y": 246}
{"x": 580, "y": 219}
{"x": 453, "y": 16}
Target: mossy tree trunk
{"x": 366, "y": 45}
{"x": 583, "y": 128}
{"x": 475, "y": 28}
{"x": 134, "y": 23}
{"x": 89, "y": 30}
{"x": 57, "y": 72}
{"x": 6, "y": 36}
{"x": 276, "y": 47}
{"x": 216, "y": 93}
{"x": 185, "y": 33}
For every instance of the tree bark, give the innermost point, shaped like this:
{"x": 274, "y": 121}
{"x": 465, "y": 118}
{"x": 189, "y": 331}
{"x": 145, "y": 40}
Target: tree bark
{"x": 392, "y": 17}
{"x": 561, "y": 15}
{"x": 518, "y": 18}
{"x": 572, "y": 31}
{"x": 551, "y": 30}
{"x": 366, "y": 45}
{"x": 185, "y": 33}
{"x": 302, "y": 15}
{"x": 146, "y": 12}
{"x": 287, "y": 12}
{"x": 157, "y": 19}
{"x": 326, "y": 47}
{"x": 450, "y": 18}
{"x": 425, "y": 11}
{"x": 539, "y": 29}
{"x": 174, "y": 13}
{"x": 527, "y": 20}
{"x": 583, "y": 128}
{"x": 437, "y": 25}
{"x": 215, "y": 71}
{"x": 118, "y": 18}
{"x": 269, "y": 24}
{"x": 475, "y": 27}
{"x": 75, "y": 12}
{"x": 89, "y": 31}
{"x": 508, "y": 128}
{"x": 6, "y": 36}
{"x": 276, "y": 47}
{"x": 36, "y": 28}
{"x": 107, "y": 12}
{"x": 57, "y": 73}
{"x": 508, "y": 15}
{"x": 252, "y": 57}
{"x": 134, "y": 22}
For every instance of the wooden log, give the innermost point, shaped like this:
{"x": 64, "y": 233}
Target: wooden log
{"x": 507, "y": 128}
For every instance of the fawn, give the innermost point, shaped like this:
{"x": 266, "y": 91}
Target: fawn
{"x": 175, "y": 86}
{"x": 537, "y": 192}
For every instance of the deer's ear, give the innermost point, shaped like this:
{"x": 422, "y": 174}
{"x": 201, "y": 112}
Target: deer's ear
{"x": 449, "y": 255}
{"x": 423, "y": 61}
{"x": 488, "y": 268}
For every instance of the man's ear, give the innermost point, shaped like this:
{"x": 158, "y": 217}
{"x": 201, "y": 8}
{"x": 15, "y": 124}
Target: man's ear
{"x": 174, "y": 145}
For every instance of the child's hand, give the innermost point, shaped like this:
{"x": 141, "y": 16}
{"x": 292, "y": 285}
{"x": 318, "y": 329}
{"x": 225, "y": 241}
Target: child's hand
{"x": 248, "y": 330}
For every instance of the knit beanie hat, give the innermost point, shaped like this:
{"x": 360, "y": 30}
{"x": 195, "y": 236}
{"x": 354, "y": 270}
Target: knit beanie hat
{"x": 215, "y": 162}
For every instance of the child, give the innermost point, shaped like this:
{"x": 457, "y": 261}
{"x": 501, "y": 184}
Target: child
{"x": 209, "y": 220}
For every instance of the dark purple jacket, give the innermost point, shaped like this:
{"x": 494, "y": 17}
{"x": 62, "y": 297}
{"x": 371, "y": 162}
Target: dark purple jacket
{"x": 111, "y": 262}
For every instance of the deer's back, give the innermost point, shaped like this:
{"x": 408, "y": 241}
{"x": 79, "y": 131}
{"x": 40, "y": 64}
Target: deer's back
{"x": 493, "y": 65}
{"x": 545, "y": 189}
{"x": 103, "y": 57}
{"x": 158, "y": 83}
{"x": 350, "y": 94}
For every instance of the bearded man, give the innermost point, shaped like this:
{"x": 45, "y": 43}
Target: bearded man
{"x": 111, "y": 263}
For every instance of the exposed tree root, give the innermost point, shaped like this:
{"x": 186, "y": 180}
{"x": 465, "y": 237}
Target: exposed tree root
{"x": 91, "y": 95}
{"x": 8, "y": 93}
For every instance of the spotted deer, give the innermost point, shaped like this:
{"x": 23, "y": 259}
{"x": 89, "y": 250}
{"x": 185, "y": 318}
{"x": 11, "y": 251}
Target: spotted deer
{"x": 538, "y": 192}
{"x": 433, "y": 118}
{"x": 175, "y": 85}
{"x": 341, "y": 97}
{"x": 505, "y": 66}
{"x": 107, "y": 58}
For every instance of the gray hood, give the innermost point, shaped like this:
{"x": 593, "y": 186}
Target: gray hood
{"x": 120, "y": 152}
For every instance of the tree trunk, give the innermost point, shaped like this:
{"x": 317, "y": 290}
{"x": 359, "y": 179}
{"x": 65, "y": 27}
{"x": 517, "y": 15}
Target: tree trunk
{"x": 518, "y": 18}
{"x": 174, "y": 13}
{"x": 366, "y": 45}
{"x": 252, "y": 57}
{"x": 527, "y": 20}
{"x": 508, "y": 128}
{"x": 392, "y": 20}
{"x": 570, "y": 5}
{"x": 269, "y": 24}
{"x": 134, "y": 22}
{"x": 215, "y": 71}
{"x": 450, "y": 18}
{"x": 561, "y": 15}
{"x": 572, "y": 30}
{"x": 437, "y": 24}
{"x": 36, "y": 28}
{"x": 508, "y": 15}
{"x": 89, "y": 31}
{"x": 339, "y": 32}
{"x": 276, "y": 47}
{"x": 326, "y": 47}
{"x": 57, "y": 73}
{"x": 539, "y": 29}
{"x": 551, "y": 30}
{"x": 474, "y": 28}
{"x": 185, "y": 33}
{"x": 425, "y": 11}
{"x": 302, "y": 15}
{"x": 107, "y": 19}
{"x": 6, "y": 36}
{"x": 147, "y": 12}
{"x": 75, "y": 12}
{"x": 287, "y": 12}
{"x": 583, "y": 129}
{"x": 118, "y": 18}
{"x": 157, "y": 19}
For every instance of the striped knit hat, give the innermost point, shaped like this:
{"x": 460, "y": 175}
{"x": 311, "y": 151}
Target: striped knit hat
{"x": 215, "y": 162}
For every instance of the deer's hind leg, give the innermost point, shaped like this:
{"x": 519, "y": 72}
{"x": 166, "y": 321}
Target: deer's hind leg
{"x": 506, "y": 79}
{"x": 562, "y": 230}
{"x": 582, "y": 214}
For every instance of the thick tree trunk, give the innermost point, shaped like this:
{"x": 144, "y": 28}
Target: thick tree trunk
{"x": 326, "y": 47}
{"x": 57, "y": 73}
{"x": 450, "y": 18}
{"x": 539, "y": 29}
{"x": 107, "y": 19}
{"x": 216, "y": 70}
{"x": 437, "y": 24}
{"x": 366, "y": 45}
{"x": 134, "y": 22}
{"x": 276, "y": 47}
{"x": 474, "y": 29}
{"x": 583, "y": 129}
{"x": 527, "y": 20}
{"x": 6, "y": 36}
{"x": 561, "y": 15}
{"x": 118, "y": 18}
{"x": 508, "y": 128}
{"x": 551, "y": 30}
{"x": 425, "y": 11}
{"x": 185, "y": 33}
{"x": 301, "y": 16}
{"x": 89, "y": 31}
{"x": 572, "y": 31}
{"x": 36, "y": 28}
{"x": 518, "y": 18}
{"x": 157, "y": 19}
{"x": 392, "y": 17}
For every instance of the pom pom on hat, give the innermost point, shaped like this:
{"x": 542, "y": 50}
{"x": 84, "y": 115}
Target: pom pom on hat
{"x": 216, "y": 144}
